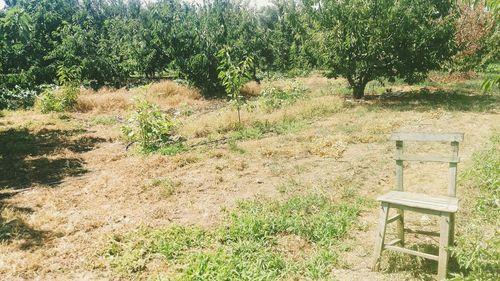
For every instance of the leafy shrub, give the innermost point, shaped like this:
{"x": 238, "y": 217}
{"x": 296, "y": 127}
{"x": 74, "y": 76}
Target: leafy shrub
{"x": 274, "y": 98}
{"x": 233, "y": 76}
{"x": 58, "y": 99}
{"x": 17, "y": 98}
{"x": 149, "y": 127}
{"x": 478, "y": 243}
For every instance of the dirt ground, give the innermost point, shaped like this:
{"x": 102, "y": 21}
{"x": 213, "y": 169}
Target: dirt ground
{"x": 77, "y": 184}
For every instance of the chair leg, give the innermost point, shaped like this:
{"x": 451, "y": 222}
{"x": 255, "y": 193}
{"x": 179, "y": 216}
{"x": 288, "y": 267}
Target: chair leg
{"x": 451, "y": 241}
{"x": 400, "y": 227}
{"x": 444, "y": 240}
{"x": 379, "y": 239}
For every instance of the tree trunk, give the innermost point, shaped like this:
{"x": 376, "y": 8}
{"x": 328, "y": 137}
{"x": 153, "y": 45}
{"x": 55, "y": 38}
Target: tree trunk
{"x": 358, "y": 91}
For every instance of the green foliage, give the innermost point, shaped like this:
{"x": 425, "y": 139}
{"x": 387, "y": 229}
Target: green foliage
{"x": 365, "y": 40}
{"x": 489, "y": 84}
{"x": 151, "y": 129}
{"x": 113, "y": 41}
{"x": 478, "y": 243}
{"x": 58, "y": 99}
{"x": 130, "y": 253}
{"x": 246, "y": 246}
{"x": 17, "y": 98}
{"x": 233, "y": 76}
{"x": 274, "y": 98}
{"x": 312, "y": 217}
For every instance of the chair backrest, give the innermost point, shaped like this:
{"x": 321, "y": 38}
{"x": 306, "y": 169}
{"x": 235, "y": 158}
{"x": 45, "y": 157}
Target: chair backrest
{"x": 453, "y": 138}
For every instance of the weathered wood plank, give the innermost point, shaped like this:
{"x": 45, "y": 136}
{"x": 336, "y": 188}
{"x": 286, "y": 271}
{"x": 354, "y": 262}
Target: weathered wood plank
{"x": 393, "y": 218}
{"x": 443, "y": 247}
{"x": 393, "y": 242}
{"x": 428, "y": 158}
{"x": 452, "y": 172}
{"x": 450, "y": 137}
{"x": 421, "y": 201}
{"x": 379, "y": 239}
{"x": 423, "y": 232}
{"x": 412, "y": 252}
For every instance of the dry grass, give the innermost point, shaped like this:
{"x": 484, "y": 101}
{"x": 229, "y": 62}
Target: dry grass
{"x": 169, "y": 94}
{"x": 251, "y": 89}
{"x": 104, "y": 100}
{"x": 340, "y": 149}
{"x": 166, "y": 94}
{"x": 226, "y": 120}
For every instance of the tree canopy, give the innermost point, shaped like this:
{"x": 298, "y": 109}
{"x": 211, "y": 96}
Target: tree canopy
{"x": 122, "y": 42}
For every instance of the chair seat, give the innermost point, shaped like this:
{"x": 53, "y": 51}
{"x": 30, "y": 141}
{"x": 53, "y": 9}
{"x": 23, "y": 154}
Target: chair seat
{"x": 421, "y": 201}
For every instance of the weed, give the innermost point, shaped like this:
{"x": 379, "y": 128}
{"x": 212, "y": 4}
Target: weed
{"x": 244, "y": 260}
{"x": 167, "y": 186}
{"x": 478, "y": 247}
{"x": 288, "y": 186}
{"x": 151, "y": 129}
{"x": 320, "y": 264}
{"x": 233, "y": 146}
{"x": 170, "y": 149}
{"x": 130, "y": 253}
{"x": 104, "y": 120}
{"x": 274, "y": 98}
{"x": 58, "y": 100}
{"x": 259, "y": 129}
{"x": 244, "y": 247}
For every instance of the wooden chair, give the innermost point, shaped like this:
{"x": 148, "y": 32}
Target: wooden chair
{"x": 443, "y": 206}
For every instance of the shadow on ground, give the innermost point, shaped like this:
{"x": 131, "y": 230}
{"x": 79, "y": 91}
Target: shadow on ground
{"x": 427, "y": 100}
{"x": 28, "y": 158}
{"x": 419, "y": 268}
{"x": 15, "y": 228}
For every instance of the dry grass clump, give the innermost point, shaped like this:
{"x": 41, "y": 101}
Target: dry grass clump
{"x": 251, "y": 89}
{"x": 168, "y": 93}
{"x": 452, "y": 77}
{"x": 164, "y": 93}
{"x": 104, "y": 100}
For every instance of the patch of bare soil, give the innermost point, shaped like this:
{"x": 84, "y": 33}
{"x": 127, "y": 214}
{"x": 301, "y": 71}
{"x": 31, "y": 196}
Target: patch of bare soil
{"x": 60, "y": 224}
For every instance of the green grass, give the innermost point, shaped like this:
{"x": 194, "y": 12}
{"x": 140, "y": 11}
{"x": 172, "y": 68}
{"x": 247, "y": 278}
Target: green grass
{"x": 246, "y": 246}
{"x": 259, "y": 129}
{"x": 167, "y": 186}
{"x": 104, "y": 120}
{"x": 478, "y": 241}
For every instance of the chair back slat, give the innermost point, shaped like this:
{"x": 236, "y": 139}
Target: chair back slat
{"x": 448, "y": 137}
{"x": 429, "y": 158}
{"x": 453, "y": 159}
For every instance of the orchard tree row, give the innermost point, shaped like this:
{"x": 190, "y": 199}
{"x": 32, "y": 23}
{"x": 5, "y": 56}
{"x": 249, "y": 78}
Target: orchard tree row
{"x": 116, "y": 42}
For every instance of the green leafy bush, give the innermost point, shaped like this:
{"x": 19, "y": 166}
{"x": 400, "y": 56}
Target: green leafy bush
{"x": 151, "y": 129}
{"x": 274, "y": 98}
{"x": 59, "y": 99}
{"x": 17, "y": 98}
{"x": 478, "y": 241}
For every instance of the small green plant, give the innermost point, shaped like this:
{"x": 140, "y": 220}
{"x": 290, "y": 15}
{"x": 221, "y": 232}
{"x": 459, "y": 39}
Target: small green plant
{"x": 168, "y": 187}
{"x": 104, "y": 120}
{"x": 274, "y": 98}
{"x": 65, "y": 96}
{"x": 151, "y": 129}
{"x": 58, "y": 99}
{"x": 233, "y": 76}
